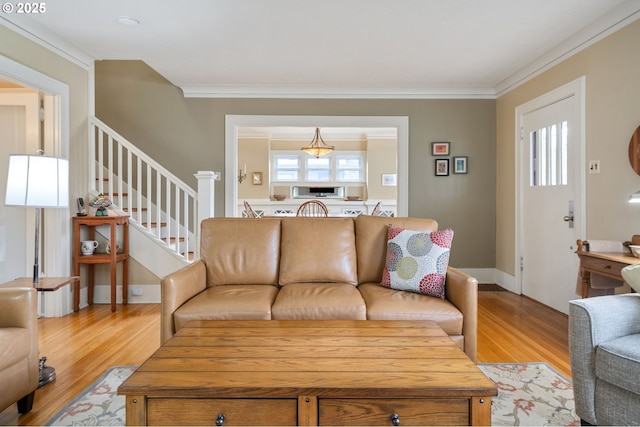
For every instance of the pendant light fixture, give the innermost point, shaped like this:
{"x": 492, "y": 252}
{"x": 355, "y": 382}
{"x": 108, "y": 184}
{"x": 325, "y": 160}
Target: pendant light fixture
{"x": 318, "y": 147}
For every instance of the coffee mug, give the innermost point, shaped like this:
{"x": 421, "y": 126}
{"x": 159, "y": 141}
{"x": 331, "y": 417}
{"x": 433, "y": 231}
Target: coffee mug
{"x": 88, "y": 246}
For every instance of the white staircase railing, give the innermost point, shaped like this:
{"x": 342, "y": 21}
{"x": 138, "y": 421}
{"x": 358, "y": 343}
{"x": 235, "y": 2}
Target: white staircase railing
{"x": 156, "y": 200}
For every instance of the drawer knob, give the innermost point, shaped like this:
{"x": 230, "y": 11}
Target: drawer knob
{"x": 220, "y": 419}
{"x": 395, "y": 419}
{"x": 607, "y": 267}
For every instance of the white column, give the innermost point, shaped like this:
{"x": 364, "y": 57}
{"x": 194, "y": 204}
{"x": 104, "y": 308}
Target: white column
{"x": 206, "y": 194}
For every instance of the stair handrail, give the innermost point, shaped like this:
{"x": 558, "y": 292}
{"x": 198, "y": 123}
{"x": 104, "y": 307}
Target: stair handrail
{"x": 181, "y": 228}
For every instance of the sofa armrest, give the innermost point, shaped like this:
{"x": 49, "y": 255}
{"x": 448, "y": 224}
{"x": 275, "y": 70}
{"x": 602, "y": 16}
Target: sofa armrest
{"x": 593, "y": 321}
{"x": 177, "y": 288}
{"x": 462, "y": 291}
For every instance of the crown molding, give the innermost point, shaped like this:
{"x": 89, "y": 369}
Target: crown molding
{"x": 615, "y": 20}
{"x": 250, "y": 91}
{"x": 45, "y": 38}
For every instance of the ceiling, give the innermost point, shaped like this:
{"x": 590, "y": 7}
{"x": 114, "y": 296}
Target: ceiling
{"x": 329, "y": 48}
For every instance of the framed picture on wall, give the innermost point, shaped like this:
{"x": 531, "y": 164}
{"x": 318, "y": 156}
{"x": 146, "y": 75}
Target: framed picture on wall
{"x": 257, "y": 178}
{"x": 389, "y": 179}
{"x": 439, "y": 148}
{"x": 460, "y": 164}
{"x": 442, "y": 167}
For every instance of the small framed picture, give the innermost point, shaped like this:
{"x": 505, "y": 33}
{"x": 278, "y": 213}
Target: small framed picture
{"x": 439, "y": 148}
{"x": 442, "y": 167}
{"x": 460, "y": 164}
{"x": 257, "y": 178}
{"x": 389, "y": 179}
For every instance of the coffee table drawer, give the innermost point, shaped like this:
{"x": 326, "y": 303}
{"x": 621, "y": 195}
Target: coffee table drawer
{"x": 381, "y": 412}
{"x": 236, "y": 412}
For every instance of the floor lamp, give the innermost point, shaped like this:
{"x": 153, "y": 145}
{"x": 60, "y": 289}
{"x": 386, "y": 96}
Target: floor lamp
{"x": 38, "y": 182}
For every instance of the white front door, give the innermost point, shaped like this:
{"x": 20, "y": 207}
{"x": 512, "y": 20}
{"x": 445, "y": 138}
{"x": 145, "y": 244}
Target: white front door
{"x": 551, "y": 203}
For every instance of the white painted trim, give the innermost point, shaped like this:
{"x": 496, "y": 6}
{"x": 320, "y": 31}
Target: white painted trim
{"x": 576, "y": 88}
{"x": 57, "y": 258}
{"x": 29, "y": 29}
{"x": 293, "y": 92}
{"x": 102, "y": 295}
{"x": 233, "y": 122}
{"x": 615, "y": 20}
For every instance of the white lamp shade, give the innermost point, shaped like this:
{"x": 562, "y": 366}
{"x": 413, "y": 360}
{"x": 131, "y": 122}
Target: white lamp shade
{"x": 37, "y": 181}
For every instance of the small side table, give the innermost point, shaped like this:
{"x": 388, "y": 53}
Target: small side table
{"x": 46, "y": 284}
{"x": 90, "y": 223}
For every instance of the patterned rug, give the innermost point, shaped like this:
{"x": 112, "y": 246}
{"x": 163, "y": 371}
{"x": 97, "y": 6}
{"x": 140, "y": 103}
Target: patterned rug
{"x": 529, "y": 394}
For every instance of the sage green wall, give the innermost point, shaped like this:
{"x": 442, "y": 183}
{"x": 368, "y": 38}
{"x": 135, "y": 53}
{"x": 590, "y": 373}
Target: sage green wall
{"x": 187, "y": 135}
{"x": 612, "y": 68}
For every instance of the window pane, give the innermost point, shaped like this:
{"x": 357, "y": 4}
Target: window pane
{"x": 349, "y": 175}
{"x": 319, "y": 163}
{"x": 548, "y": 155}
{"x": 287, "y": 162}
{"x": 286, "y": 175}
{"x": 318, "y": 174}
{"x": 349, "y": 163}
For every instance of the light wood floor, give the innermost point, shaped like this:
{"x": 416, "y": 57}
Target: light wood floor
{"x": 82, "y": 346}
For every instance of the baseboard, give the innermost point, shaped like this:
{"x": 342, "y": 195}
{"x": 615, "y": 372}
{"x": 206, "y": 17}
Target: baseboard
{"x": 493, "y": 275}
{"x": 102, "y": 294}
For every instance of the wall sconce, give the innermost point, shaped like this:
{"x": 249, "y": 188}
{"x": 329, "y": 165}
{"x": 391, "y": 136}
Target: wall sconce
{"x": 634, "y": 198}
{"x": 242, "y": 174}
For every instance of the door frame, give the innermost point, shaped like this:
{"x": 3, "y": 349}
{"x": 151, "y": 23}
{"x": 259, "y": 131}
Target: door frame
{"x": 577, "y": 89}
{"x": 57, "y": 226}
{"x": 233, "y": 122}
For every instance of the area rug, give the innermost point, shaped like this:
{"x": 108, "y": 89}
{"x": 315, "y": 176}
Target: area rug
{"x": 529, "y": 394}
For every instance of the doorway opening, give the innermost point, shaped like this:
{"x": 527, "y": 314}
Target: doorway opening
{"x": 233, "y": 123}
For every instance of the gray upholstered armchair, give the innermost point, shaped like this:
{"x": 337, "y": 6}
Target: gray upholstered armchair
{"x": 604, "y": 345}
{"x": 19, "y": 362}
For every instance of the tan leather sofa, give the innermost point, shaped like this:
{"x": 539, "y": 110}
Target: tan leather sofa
{"x": 19, "y": 374}
{"x": 309, "y": 268}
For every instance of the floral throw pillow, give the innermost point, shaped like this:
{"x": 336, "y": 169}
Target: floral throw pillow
{"x": 417, "y": 261}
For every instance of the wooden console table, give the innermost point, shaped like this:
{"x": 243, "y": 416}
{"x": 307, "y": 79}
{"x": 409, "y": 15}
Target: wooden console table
{"x": 608, "y": 264}
{"x": 91, "y": 222}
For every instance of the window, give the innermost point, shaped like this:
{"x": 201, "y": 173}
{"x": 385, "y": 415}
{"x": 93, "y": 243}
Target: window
{"x": 286, "y": 167}
{"x": 318, "y": 169}
{"x": 349, "y": 168}
{"x": 289, "y": 166}
{"x": 549, "y": 155}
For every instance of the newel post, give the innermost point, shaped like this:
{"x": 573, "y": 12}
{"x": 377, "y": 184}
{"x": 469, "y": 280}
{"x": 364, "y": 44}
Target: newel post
{"x": 206, "y": 194}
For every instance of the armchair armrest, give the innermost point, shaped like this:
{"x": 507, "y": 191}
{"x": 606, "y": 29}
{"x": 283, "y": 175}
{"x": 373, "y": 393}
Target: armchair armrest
{"x": 177, "y": 288}
{"x": 19, "y": 309}
{"x": 593, "y": 321}
{"x": 462, "y": 290}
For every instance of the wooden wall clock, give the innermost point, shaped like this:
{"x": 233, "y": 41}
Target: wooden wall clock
{"x": 634, "y": 151}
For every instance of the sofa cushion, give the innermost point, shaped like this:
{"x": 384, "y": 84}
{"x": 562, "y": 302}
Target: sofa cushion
{"x": 319, "y": 301}
{"x": 371, "y": 242}
{"x": 15, "y": 344}
{"x": 618, "y": 362}
{"x": 390, "y": 304}
{"x": 320, "y": 250}
{"x": 233, "y": 302}
{"x": 417, "y": 261}
{"x": 241, "y": 251}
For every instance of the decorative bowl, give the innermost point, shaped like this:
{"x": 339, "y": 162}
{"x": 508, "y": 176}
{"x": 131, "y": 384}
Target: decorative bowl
{"x": 353, "y": 198}
{"x": 635, "y": 250}
{"x": 279, "y": 197}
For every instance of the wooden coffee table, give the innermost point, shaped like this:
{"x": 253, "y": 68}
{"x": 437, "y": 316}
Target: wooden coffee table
{"x": 309, "y": 373}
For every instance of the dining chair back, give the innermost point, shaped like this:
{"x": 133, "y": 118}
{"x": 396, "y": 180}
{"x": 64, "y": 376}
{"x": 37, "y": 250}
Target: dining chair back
{"x": 248, "y": 210}
{"x": 313, "y": 208}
